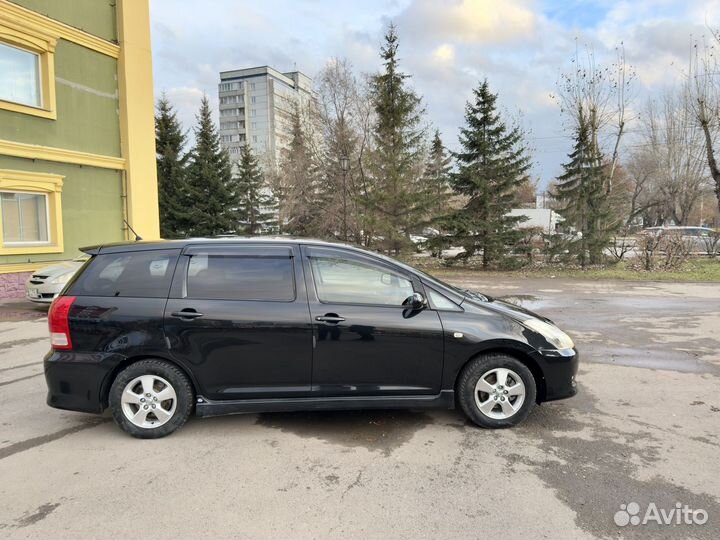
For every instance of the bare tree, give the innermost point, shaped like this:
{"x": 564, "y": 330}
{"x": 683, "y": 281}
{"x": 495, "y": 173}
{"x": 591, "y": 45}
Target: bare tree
{"x": 600, "y": 95}
{"x": 677, "y": 150}
{"x": 346, "y": 119}
{"x": 643, "y": 195}
{"x": 703, "y": 87}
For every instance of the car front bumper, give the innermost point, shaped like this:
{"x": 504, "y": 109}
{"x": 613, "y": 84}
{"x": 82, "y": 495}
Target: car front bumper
{"x": 44, "y": 293}
{"x": 559, "y": 370}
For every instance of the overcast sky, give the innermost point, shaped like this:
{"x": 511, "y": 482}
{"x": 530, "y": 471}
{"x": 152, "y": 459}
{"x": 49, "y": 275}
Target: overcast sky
{"x": 447, "y": 46}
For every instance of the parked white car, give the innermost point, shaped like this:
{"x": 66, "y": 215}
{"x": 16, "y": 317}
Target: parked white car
{"x": 45, "y": 284}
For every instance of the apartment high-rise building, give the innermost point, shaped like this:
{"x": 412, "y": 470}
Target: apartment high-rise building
{"x": 256, "y": 106}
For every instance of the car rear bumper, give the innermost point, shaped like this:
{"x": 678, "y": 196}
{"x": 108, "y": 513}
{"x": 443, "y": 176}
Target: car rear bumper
{"x": 75, "y": 380}
{"x": 560, "y": 370}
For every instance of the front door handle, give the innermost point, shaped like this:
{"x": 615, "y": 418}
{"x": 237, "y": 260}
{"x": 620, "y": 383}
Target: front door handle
{"x": 187, "y": 313}
{"x": 330, "y": 318}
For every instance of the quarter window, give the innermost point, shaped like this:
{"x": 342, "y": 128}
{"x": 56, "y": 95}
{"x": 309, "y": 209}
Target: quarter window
{"x": 19, "y": 76}
{"x": 353, "y": 282}
{"x": 24, "y": 218}
{"x": 440, "y": 301}
{"x": 228, "y": 277}
{"x": 143, "y": 274}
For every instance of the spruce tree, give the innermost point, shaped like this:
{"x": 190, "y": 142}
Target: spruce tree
{"x": 492, "y": 162}
{"x": 437, "y": 175}
{"x": 397, "y": 198}
{"x": 437, "y": 181}
{"x": 301, "y": 175}
{"x": 257, "y": 208}
{"x": 212, "y": 197}
{"x": 584, "y": 203}
{"x": 171, "y": 171}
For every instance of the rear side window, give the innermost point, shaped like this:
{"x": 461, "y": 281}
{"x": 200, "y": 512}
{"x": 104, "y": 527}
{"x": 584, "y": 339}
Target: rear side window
{"x": 144, "y": 274}
{"x": 240, "y": 277}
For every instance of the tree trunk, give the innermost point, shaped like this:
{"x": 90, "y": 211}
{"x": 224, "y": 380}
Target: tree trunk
{"x": 712, "y": 162}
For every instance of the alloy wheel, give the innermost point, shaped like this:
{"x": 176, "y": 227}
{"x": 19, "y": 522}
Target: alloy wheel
{"x": 499, "y": 393}
{"x": 148, "y": 401}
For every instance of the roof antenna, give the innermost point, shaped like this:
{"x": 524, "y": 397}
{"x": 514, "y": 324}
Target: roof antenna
{"x": 137, "y": 236}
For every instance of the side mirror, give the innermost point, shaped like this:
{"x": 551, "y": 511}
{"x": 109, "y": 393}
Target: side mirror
{"x": 415, "y": 301}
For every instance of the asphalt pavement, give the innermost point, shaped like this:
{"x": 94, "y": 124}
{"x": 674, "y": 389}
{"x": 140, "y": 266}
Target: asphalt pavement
{"x": 644, "y": 429}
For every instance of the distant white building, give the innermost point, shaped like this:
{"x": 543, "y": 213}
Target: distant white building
{"x": 544, "y": 200}
{"x": 256, "y": 105}
{"x": 545, "y": 218}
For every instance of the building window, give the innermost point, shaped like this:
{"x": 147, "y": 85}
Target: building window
{"x": 27, "y": 70}
{"x": 227, "y": 87}
{"x": 30, "y": 213}
{"x": 24, "y": 218}
{"x": 19, "y": 76}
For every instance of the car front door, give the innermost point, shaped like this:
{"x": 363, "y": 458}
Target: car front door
{"x": 365, "y": 341}
{"x": 237, "y": 316}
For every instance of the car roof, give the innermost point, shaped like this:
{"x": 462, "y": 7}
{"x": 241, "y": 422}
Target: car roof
{"x": 146, "y": 245}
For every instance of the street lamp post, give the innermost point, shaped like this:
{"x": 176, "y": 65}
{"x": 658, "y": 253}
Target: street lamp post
{"x": 344, "y": 166}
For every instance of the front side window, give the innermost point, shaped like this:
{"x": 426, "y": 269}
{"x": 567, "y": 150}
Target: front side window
{"x": 24, "y": 218}
{"x": 19, "y": 76}
{"x": 228, "y": 277}
{"x": 353, "y": 282}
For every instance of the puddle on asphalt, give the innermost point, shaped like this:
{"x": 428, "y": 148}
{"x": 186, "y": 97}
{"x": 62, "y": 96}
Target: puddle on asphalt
{"x": 668, "y": 359}
{"x": 381, "y": 431}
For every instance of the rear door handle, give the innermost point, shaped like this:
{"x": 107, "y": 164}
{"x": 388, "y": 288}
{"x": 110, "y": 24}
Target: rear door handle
{"x": 330, "y": 318}
{"x": 187, "y": 314}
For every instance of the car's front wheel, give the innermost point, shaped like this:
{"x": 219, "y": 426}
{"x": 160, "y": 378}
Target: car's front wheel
{"x": 496, "y": 391}
{"x": 151, "y": 399}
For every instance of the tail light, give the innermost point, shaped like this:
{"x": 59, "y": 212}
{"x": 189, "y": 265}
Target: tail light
{"x": 58, "y": 321}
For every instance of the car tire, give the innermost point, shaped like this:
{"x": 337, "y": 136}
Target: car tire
{"x": 486, "y": 401}
{"x": 151, "y": 399}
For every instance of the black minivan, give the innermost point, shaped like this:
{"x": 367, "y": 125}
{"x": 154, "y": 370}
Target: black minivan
{"x": 155, "y": 330}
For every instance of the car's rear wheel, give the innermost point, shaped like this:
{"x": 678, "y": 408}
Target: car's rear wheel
{"x": 151, "y": 399}
{"x": 496, "y": 391}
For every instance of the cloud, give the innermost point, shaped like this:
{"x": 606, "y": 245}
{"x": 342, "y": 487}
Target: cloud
{"x": 447, "y": 46}
{"x": 470, "y": 20}
{"x": 444, "y": 54}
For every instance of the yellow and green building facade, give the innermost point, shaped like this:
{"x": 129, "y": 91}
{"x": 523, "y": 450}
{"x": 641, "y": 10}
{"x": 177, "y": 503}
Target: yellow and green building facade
{"x": 77, "y": 143}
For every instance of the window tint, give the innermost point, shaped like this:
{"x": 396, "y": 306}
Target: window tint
{"x": 228, "y": 277}
{"x": 353, "y": 282}
{"x": 440, "y": 301}
{"x": 145, "y": 274}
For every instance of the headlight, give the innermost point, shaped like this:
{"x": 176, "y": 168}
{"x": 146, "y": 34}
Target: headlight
{"x": 550, "y": 332}
{"x": 63, "y": 278}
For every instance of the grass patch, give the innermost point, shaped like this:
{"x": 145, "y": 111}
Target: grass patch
{"x": 699, "y": 270}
